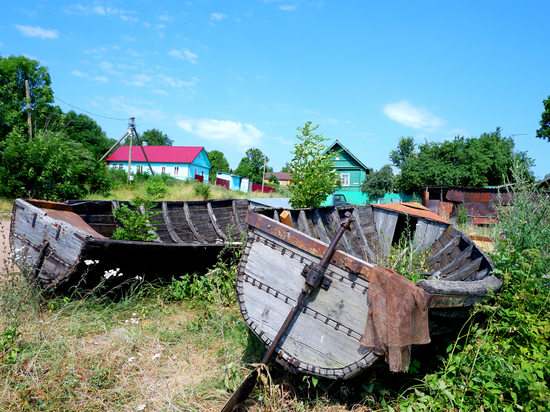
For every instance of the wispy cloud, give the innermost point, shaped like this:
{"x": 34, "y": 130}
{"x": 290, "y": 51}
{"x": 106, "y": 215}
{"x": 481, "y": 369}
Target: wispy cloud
{"x": 412, "y": 116}
{"x": 126, "y": 15}
{"x": 184, "y": 54}
{"x": 101, "y": 79}
{"x": 288, "y": 8}
{"x": 236, "y": 133}
{"x": 35, "y": 31}
{"x": 176, "y": 82}
{"x": 217, "y": 16}
{"x": 78, "y": 73}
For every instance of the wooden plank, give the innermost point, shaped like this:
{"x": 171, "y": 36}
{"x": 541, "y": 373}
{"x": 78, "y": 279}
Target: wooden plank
{"x": 169, "y": 225}
{"x": 285, "y": 218}
{"x": 456, "y": 263}
{"x": 321, "y": 231}
{"x": 302, "y": 223}
{"x": 437, "y": 257}
{"x": 466, "y": 270}
{"x": 214, "y": 222}
{"x": 191, "y": 224}
{"x": 385, "y": 226}
{"x": 344, "y": 240}
{"x": 236, "y": 216}
{"x": 368, "y": 254}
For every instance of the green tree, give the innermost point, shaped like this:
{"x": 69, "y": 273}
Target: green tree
{"x": 219, "y": 164}
{"x": 544, "y": 131}
{"x": 153, "y": 137}
{"x": 312, "y": 169}
{"x": 286, "y": 168}
{"x": 377, "y": 184}
{"x": 473, "y": 162}
{"x": 84, "y": 130}
{"x": 252, "y": 165}
{"x": 273, "y": 179}
{"x": 405, "y": 149}
{"x": 50, "y": 166}
{"x": 13, "y": 101}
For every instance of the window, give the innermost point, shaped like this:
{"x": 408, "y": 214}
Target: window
{"x": 163, "y": 169}
{"x": 344, "y": 177}
{"x": 196, "y": 170}
{"x": 139, "y": 168}
{"x": 176, "y": 170}
{"x": 337, "y": 158}
{"x": 120, "y": 166}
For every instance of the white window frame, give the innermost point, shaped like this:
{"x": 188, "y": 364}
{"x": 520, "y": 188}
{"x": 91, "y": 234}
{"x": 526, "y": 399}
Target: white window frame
{"x": 139, "y": 168}
{"x": 176, "y": 170}
{"x": 344, "y": 177}
{"x": 163, "y": 169}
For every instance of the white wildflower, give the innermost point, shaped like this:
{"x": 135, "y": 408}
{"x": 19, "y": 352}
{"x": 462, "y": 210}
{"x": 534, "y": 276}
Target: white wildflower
{"x": 112, "y": 273}
{"x": 134, "y": 321}
{"x": 141, "y": 407}
{"x": 131, "y": 359}
{"x": 139, "y": 277}
{"x": 134, "y": 314}
{"x": 156, "y": 356}
{"x": 89, "y": 262}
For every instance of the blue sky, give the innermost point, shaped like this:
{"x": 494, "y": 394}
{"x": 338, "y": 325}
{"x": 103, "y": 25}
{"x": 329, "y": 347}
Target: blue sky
{"x": 230, "y": 75}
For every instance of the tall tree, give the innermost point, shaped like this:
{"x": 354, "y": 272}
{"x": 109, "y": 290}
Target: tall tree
{"x": 405, "y": 149}
{"x": 219, "y": 164}
{"x": 473, "y": 162}
{"x": 285, "y": 168}
{"x": 50, "y": 166}
{"x": 378, "y": 183}
{"x": 312, "y": 169}
{"x": 544, "y": 131}
{"x": 14, "y": 71}
{"x": 84, "y": 130}
{"x": 252, "y": 165}
{"x": 153, "y": 137}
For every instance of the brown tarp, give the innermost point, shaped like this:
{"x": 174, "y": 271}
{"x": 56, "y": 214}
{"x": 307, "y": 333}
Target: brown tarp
{"x": 397, "y": 318}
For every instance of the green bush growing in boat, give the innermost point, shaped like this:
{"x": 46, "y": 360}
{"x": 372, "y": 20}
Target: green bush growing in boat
{"x": 136, "y": 225}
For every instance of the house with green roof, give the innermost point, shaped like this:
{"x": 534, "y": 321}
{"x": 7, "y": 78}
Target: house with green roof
{"x": 352, "y": 172}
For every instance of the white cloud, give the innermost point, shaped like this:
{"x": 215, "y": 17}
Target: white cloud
{"x": 159, "y": 91}
{"x": 184, "y": 54}
{"x": 78, "y": 73}
{"x": 177, "y": 83}
{"x": 140, "y": 80}
{"x": 416, "y": 117}
{"x": 288, "y": 8}
{"x": 102, "y": 11}
{"x": 236, "y": 133}
{"x": 101, "y": 79}
{"x": 31, "y": 31}
{"x": 217, "y": 16}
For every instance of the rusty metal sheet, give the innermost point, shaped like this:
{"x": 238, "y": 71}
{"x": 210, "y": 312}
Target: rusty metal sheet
{"x": 483, "y": 221}
{"x": 72, "y": 219}
{"x": 477, "y": 196}
{"x": 413, "y": 209}
{"x": 433, "y": 205}
{"x": 455, "y": 195}
{"x": 496, "y": 198}
{"x": 46, "y": 204}
{"x": 480, "y": 209}
{"x": 445, "y": 210}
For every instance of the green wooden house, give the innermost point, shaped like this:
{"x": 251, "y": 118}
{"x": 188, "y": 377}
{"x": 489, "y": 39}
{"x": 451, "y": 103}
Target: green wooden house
{"x": 352, "y": 173}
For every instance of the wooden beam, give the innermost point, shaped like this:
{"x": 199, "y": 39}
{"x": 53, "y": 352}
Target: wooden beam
{"x": 169, "y": 225}
{"x": 214, "y": 221}
{"x": 187, "y": 214}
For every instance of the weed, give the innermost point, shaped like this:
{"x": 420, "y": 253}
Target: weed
{"x": 136, "y": 224}
{"x": 202, "y": 189}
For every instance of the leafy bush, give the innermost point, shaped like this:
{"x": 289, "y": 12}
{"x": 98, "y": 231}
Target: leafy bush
{"x": 49, "y": 167}
{"x": 201, "y": 189}
{"x": 135, "y": 225}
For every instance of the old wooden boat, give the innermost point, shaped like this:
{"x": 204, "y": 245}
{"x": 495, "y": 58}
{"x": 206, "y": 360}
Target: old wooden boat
{"x": 331, "y": 336}
{"x": 58, "y": 242}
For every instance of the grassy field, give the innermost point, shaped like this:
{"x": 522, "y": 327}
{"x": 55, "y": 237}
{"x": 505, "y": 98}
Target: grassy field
{"x": 182, "y": 346}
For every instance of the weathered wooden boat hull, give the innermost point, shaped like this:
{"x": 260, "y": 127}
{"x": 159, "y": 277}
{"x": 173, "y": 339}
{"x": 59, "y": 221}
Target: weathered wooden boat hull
{"x": 324, "y": 338}
{"x": 53, "y": 241}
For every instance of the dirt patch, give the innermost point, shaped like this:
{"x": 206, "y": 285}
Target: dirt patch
{"x": 4, "y": 243}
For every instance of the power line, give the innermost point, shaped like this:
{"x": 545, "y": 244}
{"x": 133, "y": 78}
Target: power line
{"x": 93, "y": 114}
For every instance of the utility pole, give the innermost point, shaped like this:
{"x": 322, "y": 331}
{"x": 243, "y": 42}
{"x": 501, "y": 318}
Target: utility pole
{"x": 263, "y": 174}
{"x": 29, "y": 121}
{"x": 131, "y": 131}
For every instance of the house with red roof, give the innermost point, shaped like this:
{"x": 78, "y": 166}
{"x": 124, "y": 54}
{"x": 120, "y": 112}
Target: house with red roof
{"x": 180, "y": 162}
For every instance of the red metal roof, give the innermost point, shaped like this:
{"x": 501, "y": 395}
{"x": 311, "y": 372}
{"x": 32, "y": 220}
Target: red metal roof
{"x": 157, "y": 154}
{"x": 413, "y": 209}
